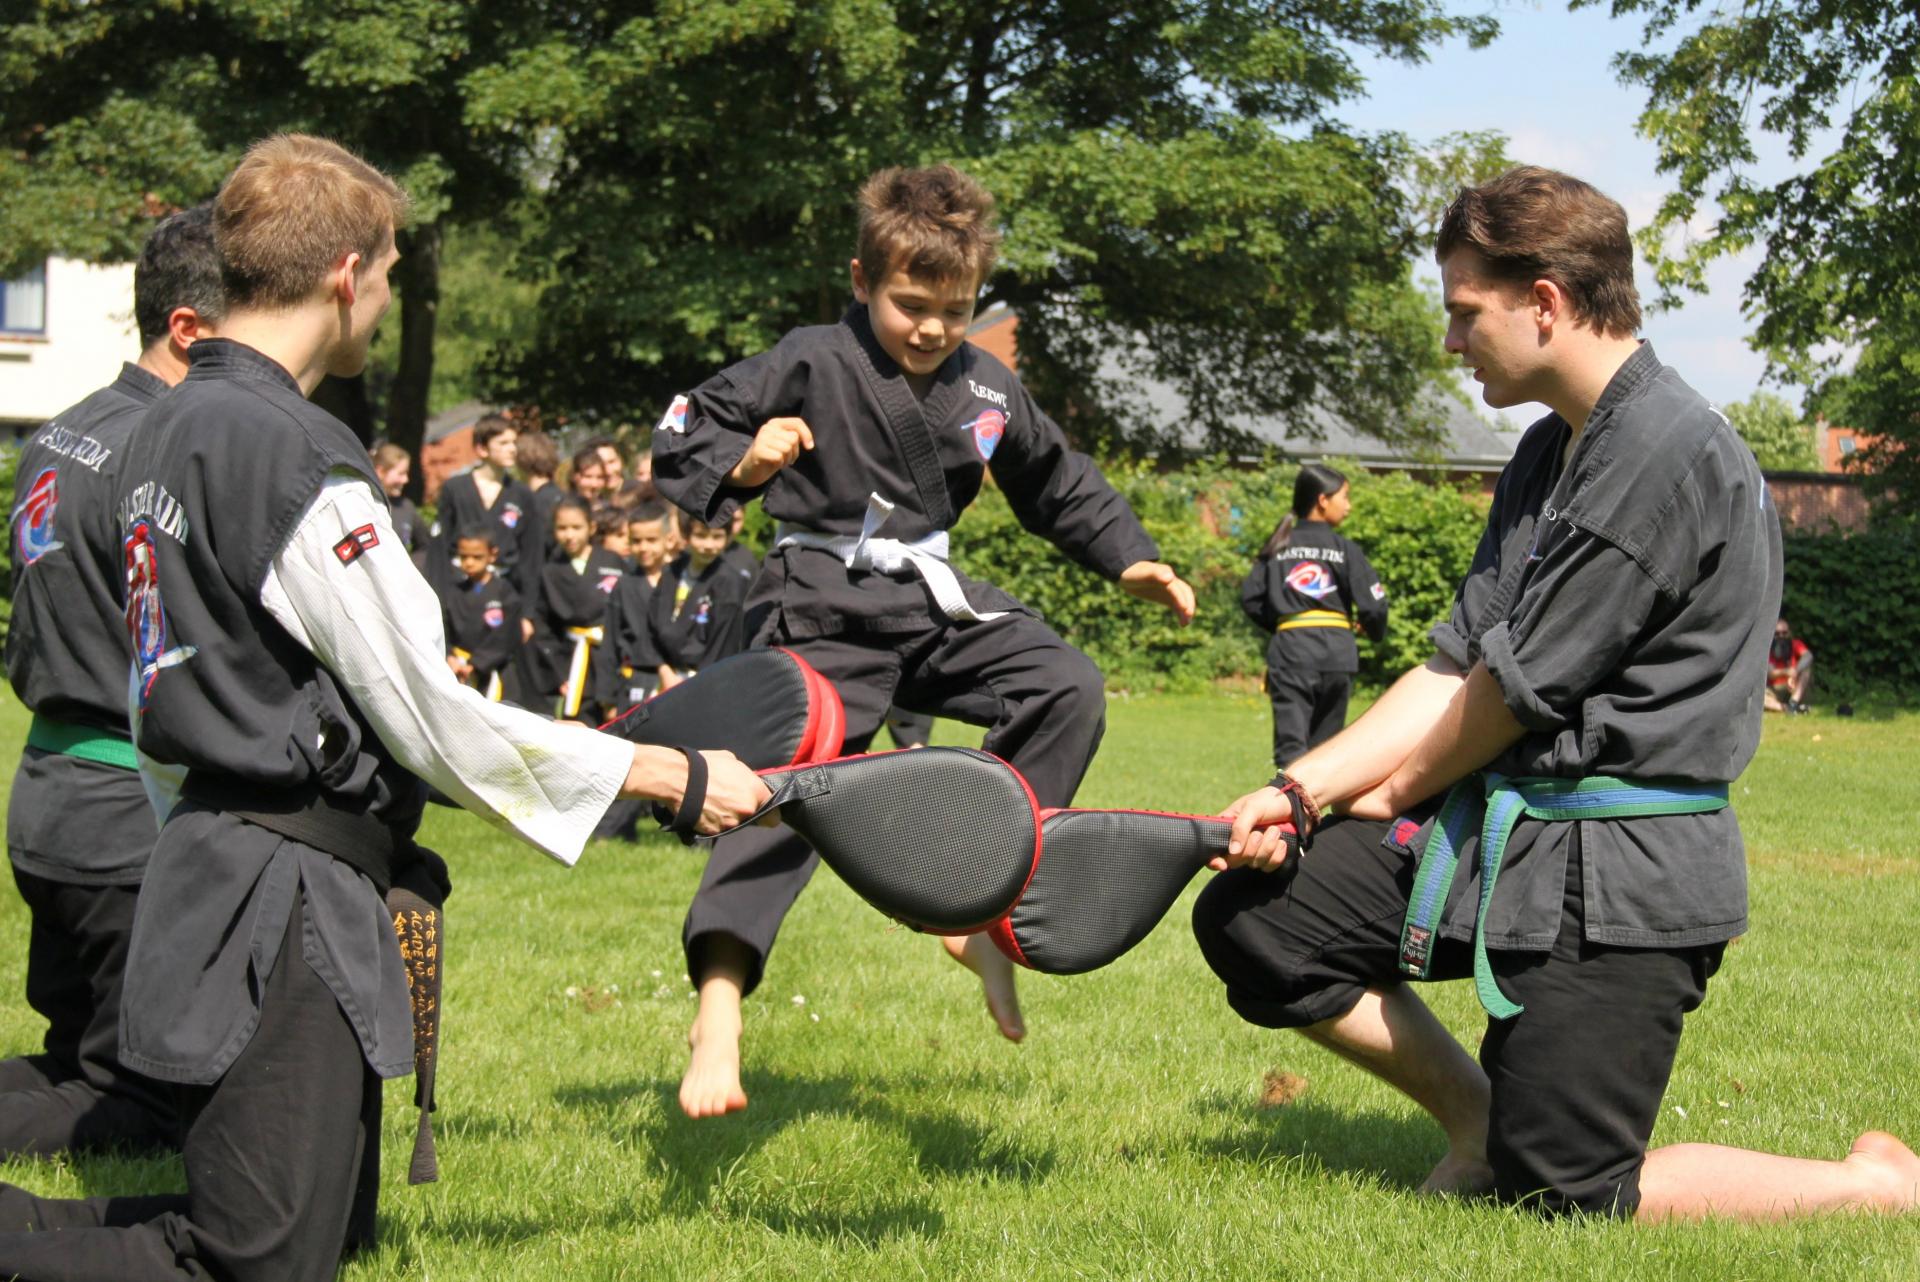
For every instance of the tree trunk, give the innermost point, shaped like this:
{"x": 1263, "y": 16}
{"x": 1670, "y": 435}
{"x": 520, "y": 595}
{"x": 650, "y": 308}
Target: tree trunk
{"x": 418, "y": 276}
{"x": 346, "y": 399}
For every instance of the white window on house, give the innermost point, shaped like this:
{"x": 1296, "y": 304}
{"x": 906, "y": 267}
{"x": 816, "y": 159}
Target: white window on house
{"x": 1848, "y": 445}
{"x": 23, "y": 303}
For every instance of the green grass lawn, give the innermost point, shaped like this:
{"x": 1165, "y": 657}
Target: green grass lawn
{"x": 893, "y": 1135}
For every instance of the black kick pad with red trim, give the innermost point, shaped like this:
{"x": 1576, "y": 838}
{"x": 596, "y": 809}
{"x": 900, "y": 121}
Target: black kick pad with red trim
{"x": 1105, "y": 879}
{"x": 767, "y": 707}
{"x": 943, "y": 839}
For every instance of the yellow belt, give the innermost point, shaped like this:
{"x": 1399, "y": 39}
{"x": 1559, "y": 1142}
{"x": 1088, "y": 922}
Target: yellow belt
{"x": 1313, "y": 619}
{"x": 584, "y": 639}
{"x": 493, "y": 678}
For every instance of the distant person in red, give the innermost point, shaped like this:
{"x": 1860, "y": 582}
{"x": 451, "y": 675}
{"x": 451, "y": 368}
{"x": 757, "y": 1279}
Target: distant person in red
{"x": 1789, "y": 671}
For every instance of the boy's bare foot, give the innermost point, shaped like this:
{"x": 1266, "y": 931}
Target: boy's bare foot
{"x": 1894, "y": 1168}
{"x": 711, "y": 1087}
{"x": 977, "y": 954}
{"x": 1458, "y": 1176}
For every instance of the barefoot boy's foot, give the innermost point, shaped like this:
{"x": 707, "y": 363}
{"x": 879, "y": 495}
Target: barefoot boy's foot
{"x": 977, "y": 954}
{"x": 1894, "y": 1167}
{"x": 1458, "y": 1176}
{"x": 712, "y": 1084}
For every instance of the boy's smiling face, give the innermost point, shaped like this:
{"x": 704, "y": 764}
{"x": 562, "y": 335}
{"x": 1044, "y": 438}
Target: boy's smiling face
{"x": 918, "y": 322}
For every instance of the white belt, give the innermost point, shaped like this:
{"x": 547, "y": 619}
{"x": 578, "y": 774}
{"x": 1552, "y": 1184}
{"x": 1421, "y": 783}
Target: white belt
{"x": 926, "y": 557}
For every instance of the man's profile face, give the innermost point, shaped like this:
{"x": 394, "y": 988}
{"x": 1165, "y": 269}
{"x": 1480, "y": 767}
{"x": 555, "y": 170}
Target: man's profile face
{"x": 1492, "y": 325}
{"x": 918, "y": 322}
{"x": 372, "y": 295}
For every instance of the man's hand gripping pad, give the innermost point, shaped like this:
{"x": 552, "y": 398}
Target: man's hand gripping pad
{"x": 767, "y": 707}
{"x": 943, "y": 839}
{"x": 1105, "y": 879}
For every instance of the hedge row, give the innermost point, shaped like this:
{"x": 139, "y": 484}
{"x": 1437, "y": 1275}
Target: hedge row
{"x": 1210, "y": 520}
{"x": 1855, "y": 599}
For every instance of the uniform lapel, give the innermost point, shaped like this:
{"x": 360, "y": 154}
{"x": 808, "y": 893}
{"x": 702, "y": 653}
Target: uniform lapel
{"x": 905, "y": 417}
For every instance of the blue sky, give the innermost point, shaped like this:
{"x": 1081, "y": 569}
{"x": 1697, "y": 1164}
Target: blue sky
{"x": 1547, "y": 83}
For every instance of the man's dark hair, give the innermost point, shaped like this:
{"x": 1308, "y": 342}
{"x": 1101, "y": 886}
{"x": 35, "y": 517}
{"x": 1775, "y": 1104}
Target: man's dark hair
{"x": 1538, "y": 224}
{"x": 178, "y": 267}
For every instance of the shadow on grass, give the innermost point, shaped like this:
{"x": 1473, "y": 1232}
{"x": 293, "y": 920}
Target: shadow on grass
{"x": 702, "y": 1159}
{"x": 1393, "y": 1151}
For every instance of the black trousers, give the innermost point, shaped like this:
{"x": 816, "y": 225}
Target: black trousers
{"x": 76, "y": 1094}
{"x": 1044, "y": 704}
{"x": 1309, "y": 708}
{"x": 1577, "y": 1077}
{"x": 282, "y": 1156}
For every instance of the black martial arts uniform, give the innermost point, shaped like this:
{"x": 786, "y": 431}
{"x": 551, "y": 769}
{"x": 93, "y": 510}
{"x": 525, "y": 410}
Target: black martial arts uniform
{"x": 79, "y": 826}
{"x": 512, "y": 521}
{"x": 573, "y": 605}
{"x": 482, "y": 622}
{"x": 882, "y": 636}
{"x": 1308, "y": 596}
{"x": 697, "y": 617}
{"x": 407, "y": 524}
{"x": 1623, "y": 604}
{"x": 744, "y": 560}
{"x": 634, "y": 653}
{"x": 263, "y": 977}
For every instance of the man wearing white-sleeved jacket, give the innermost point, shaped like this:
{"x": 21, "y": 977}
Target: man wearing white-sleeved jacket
{"x": 288, "y": 657}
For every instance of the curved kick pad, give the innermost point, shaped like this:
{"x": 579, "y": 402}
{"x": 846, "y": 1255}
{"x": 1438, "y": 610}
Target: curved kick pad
{"x": 767, "y": 707}
{"x": 1105, "y": 879}
{"x": 944, "y": 839}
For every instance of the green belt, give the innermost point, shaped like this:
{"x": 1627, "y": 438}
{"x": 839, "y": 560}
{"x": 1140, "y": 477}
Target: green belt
{"x": 83, "y": 742}
{"x": 1496, "y": 803}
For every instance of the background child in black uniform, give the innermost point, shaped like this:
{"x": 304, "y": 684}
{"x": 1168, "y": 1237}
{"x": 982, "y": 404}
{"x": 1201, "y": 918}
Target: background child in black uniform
{"x": 632, "y": 636}
{"x": 867, "y": 438}
{"x": 481, "y": 613}
{"x": 569, "y": 656}
{"x": 488, "y": 494}
{"x": 394, "y": 466}
{"x": 697, "y": 614}
{"x": 1308, "y": 588}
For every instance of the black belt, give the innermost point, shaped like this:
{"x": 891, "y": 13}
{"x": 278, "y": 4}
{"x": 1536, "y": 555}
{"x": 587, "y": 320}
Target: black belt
{"x": 356, "y": 838}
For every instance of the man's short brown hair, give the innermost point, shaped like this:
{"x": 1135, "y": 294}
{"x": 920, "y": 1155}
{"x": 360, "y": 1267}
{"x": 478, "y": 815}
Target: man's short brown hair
{"x": 935, "y": 223}
{"x": 1538, "y": 224}
{"x": 295, "y": 205}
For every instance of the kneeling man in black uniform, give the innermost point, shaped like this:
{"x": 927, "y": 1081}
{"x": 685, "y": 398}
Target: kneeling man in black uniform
{"x": 288, "y": 660}
{"x": 1543, "y": 805}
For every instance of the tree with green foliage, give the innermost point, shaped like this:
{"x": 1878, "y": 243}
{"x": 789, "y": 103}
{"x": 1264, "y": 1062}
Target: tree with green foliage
{"x": 1779, "y": 438}
{"x": 1179, "y": 200}
{"x": 113, "y": 114}
{"x": 1835, "y": 295}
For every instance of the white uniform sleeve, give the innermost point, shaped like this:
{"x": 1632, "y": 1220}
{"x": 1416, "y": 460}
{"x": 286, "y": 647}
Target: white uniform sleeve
{"x": 374, "y": 623}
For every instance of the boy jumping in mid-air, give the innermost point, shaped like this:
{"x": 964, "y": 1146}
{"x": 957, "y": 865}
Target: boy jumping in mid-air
{"x": 866, "y": 439}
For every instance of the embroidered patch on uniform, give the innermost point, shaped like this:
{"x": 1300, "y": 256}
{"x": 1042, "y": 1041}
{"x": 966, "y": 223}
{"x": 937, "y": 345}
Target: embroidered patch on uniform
{"x": 510, "y": 515}
{"x": 355, "y": 544}
{"x": 675, "y": 419}
{"x": 608, "y": 582}
{"x": 1379, "y": 592}
{"x": 987, "y": 431}
{"x": 146, "y": 618}
{"x": 33, "y": 518}
{"x": 1310, "y": 578}
{"x": 705, "y": 613}
{"x": 1404, "y": 831}
{"x": 493, "y": 616}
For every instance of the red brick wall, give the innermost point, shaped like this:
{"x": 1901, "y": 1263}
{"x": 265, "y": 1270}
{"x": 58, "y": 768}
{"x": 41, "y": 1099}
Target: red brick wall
{"x": 1813, "y": 501}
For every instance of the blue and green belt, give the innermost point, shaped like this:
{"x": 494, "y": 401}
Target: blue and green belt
{"x": 1496, "y": 803}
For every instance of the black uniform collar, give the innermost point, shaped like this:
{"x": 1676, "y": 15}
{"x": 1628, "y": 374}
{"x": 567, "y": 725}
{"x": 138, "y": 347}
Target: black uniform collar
{"x": 225, "y": 358}
{"x": 1639, "y": 369}
{"x": 141, "y": 384}
{"x": 944, "y": 378}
